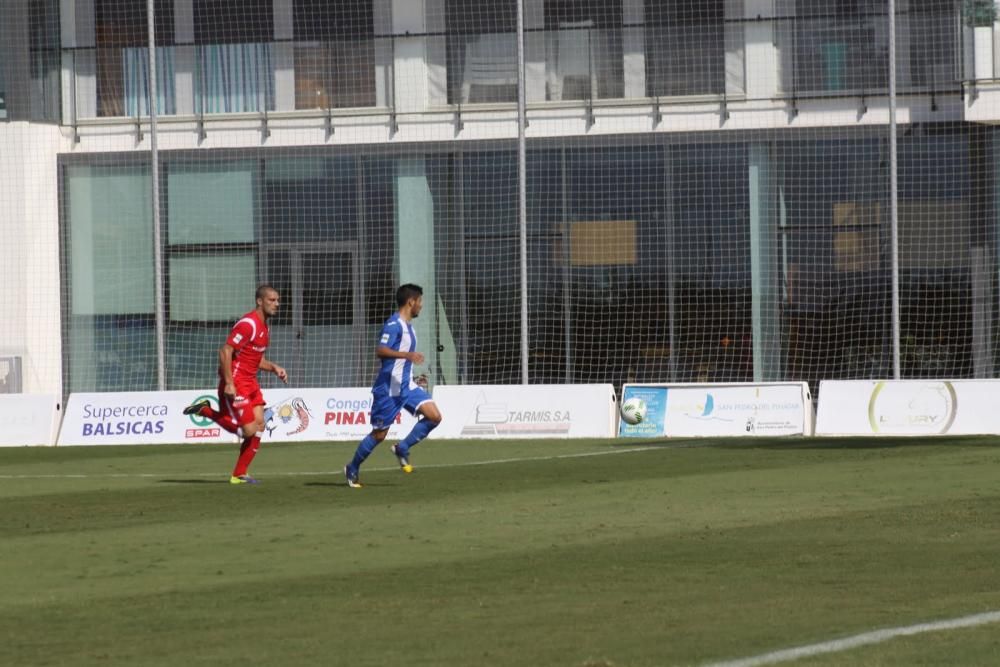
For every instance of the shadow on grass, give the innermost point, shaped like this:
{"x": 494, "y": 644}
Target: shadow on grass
{"x": 824, "y": 442}
{"x": 343, "y": 484}
{"x": 193, "y": 481}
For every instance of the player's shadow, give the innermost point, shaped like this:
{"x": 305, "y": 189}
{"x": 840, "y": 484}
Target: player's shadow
{"x": 853, "y": 442}
{"x": 192, "y": 481}
{"x": 343, "y": 485}
{"x": 809, "y": 442}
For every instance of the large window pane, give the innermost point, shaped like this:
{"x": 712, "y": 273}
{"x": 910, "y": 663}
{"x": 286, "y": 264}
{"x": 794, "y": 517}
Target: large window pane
{"x": 344, "y": 19}
{"x": 334, "y": 54}
{"x": 492, "y": 278}
{"x": 200, "y": 314}
{"x": 234, "y": 78}
{"x": 193, "y": 352}
{"x": 606, "y": 256}
{"x": 830, "y": 47}
{"x": 210, "y": 203}
{"x": 584, "y": 49}
{"x": 933, "y": 44}
{"x": 43, "y": 16}
{"x": 939, "y": 232}
{"x": 121, "y": 35}
{"x": 111, "y": 240}
{"x": 481, "y": 51}
{"x": 685, "y": 47}
{"x": 227, "y": 22}
{"x": 380, "y": 258}
{"x": 310, "y": 199}
{"x": 335, "y": 74}
{"x": 194, "y": 280}
{"x": 109, "y": 313}
{"x": 710, "y": 256}
{"x": 212, "y": 264}
{"x": 835, "y": 232}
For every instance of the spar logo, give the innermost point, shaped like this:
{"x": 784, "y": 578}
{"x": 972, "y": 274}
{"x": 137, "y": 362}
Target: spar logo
{"x": 293, "y": 413}
{"x": 204, "y": 427}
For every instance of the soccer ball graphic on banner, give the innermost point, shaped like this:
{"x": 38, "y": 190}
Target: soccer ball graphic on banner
{"x": 633, "y": 410}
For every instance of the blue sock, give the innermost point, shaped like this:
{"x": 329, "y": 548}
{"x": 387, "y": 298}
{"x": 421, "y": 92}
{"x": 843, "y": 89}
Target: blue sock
{"x": 421, "y": 429}
{"x": 364, "y": 449}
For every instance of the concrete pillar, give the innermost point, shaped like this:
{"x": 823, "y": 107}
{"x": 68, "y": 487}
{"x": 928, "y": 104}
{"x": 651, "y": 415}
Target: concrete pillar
{"x": 415, "y": 216}
{"x": 765, "y": 307}
{"x": 634, "y": 48}
{"x": 382, "y": 18}
{"x": 410, "y": 58}
{"x": 184, "y": 56}
{"x": 283, "y": 54}
{"x": 760, "y": 53}
{"x": 534, "y": 50}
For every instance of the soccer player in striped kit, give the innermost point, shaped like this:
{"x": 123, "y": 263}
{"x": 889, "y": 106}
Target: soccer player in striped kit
{"x": 240, "y": 398}
{"x": 395, "y": 388}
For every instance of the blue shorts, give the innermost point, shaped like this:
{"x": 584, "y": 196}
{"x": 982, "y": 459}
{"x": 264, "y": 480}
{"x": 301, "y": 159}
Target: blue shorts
{"x": 385, "y": 407}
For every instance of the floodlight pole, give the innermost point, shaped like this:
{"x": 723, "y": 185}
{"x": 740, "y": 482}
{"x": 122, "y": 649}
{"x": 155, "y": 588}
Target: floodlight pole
{"x": 522, "y": 190}
{"x": 893, "y": 194}
{"x": 154, "y": 158}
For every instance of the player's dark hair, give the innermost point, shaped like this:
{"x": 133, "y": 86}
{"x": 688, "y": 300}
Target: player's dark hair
{"x": 406, "y": 292}
{"x": 262, "y": 290}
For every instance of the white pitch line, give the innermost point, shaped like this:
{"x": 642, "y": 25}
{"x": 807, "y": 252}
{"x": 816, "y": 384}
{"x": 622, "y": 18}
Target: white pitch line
{"x": 864, "y": 639}
{"x": 140, "y": 475}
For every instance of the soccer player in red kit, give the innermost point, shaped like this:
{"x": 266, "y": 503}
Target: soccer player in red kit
{"x": 240, "y": 399}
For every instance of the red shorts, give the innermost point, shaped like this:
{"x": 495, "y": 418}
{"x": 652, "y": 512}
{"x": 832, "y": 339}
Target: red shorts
{"x": 241, "y": 407}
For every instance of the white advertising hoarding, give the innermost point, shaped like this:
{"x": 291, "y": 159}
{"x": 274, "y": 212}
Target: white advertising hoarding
{"x": 526, "y": 411}
{"x": 140, "y": 418}
{"x": 137, "y": 418}
{"x": 740, "y": 409}
{"x": 908, "y": 407}
{"x": 28, "y": 419}
{"x": 324, "y": 414}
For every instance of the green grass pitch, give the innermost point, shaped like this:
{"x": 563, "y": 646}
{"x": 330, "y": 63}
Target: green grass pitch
{"x": 549, "y": 552}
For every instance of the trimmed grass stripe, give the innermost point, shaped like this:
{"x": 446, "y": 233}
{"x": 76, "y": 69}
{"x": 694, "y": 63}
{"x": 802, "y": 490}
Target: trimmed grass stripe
{"x": 500, "y": 553}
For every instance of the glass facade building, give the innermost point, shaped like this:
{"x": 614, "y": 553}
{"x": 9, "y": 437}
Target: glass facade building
{"x": 708, "y": 289}
{"x": 671, "y": 250}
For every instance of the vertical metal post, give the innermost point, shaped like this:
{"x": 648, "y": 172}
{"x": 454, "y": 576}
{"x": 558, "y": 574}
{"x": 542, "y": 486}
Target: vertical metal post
{"x": 668, "y": 219}
{"x": 567, "y": 274}
{"x": 522, "y": 191}
{"x": 893, "y": 194}
{"x": 154, "y": 160}
{"x": 463, "y": 290}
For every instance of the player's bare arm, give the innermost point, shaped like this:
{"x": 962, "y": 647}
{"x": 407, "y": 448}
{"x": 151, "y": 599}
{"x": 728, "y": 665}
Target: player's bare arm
{"x": 383, "y": 352}
{"x": 271, "y": 367}
{"x": 226, "y": 364}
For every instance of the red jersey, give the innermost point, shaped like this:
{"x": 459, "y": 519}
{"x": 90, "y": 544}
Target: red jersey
{"x": 249, "y": 338}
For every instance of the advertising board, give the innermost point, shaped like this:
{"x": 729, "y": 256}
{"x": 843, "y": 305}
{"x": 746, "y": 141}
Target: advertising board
{"x": 526, "y": 411}
{"x": 28, "y": 419}
{"x": 697, "y": 410}
{"x": 157, "y": 417}
{"x": 908, "y": 407}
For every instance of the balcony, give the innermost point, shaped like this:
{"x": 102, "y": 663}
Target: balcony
{"x": 575, "y": 62}
{"x": 236, "y": 78}
{"x": 671, "y": 60}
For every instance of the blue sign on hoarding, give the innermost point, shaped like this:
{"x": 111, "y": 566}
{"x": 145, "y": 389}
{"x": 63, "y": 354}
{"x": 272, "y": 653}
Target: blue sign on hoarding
{"x": 656, "y": 410}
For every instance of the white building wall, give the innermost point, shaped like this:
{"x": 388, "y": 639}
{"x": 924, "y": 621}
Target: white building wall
{"x": 29, "y": 252}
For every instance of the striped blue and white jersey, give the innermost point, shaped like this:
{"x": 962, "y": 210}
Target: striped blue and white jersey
{"x": 395, "y": 377}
